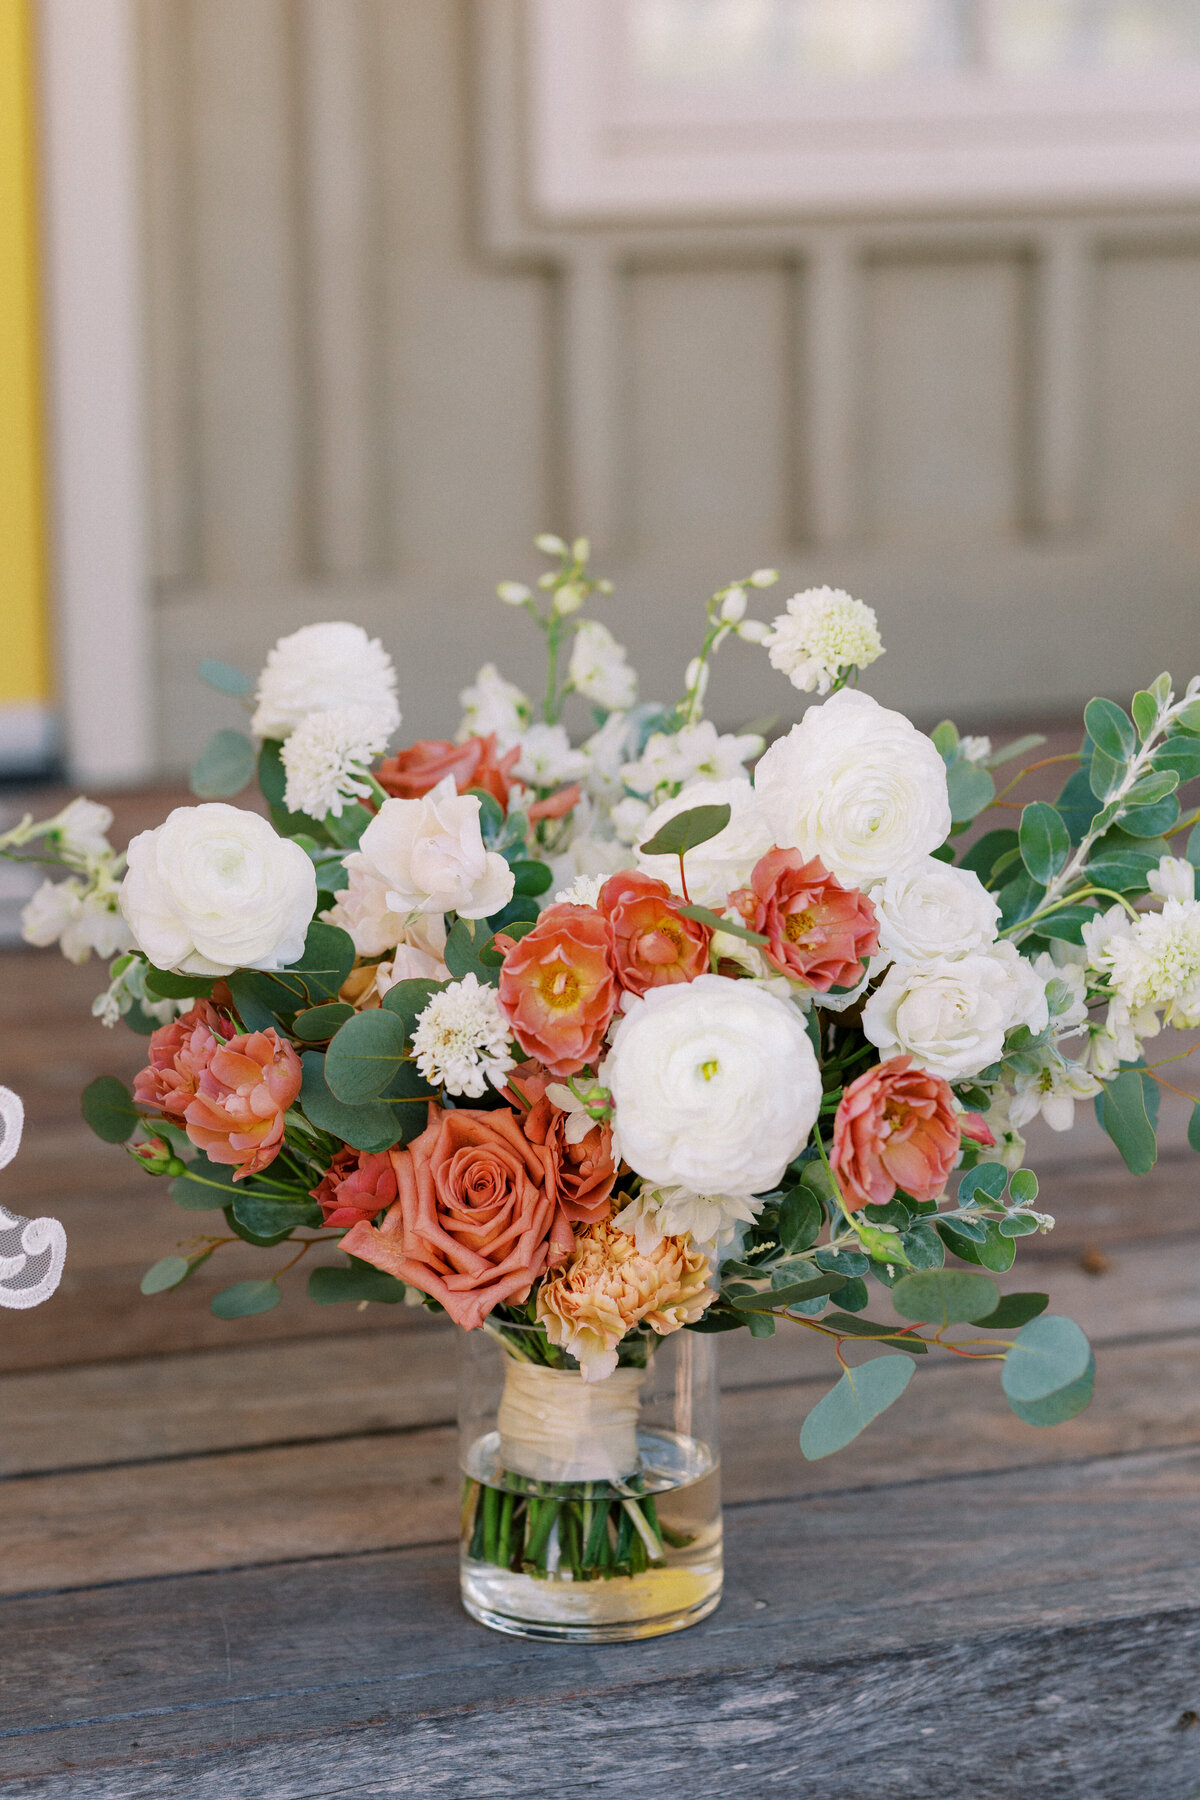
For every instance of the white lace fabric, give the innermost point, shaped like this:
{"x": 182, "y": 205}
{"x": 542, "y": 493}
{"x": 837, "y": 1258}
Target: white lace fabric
{"x": 32, "y": 1251}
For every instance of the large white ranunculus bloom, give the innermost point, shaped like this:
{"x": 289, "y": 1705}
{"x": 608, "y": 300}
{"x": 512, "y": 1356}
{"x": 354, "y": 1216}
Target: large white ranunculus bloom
{"x": 213, "y": 889}
{"x": 429, "y": 856}
{"x": 932, "y": 909}
{"x": 322, "y": 668}
{"x": 715, "y": 1086}
{"x": 857, "y": 785}
{"x": 715, "y": 868}
{"x": 952, "y": 1013}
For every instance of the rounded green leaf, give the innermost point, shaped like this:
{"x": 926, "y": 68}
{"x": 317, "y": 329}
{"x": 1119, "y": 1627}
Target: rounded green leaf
{"x": 223, "y": 767}
{"x": 686, "y": 830}
{"x": 1110, "y": 729}
{"x": 801, "y": 1217}
{"x": 365, "y": 1056}
{"x": 945, "y": 1296}
{"x": 1145, "y": 713}
{"x": 224, "y": 677}
{"x": 971, "y": 789}
{"x": 245, "y": 1298}
{"x": 1048, "y": 1354}
{"x": 1014, "y": 1310}
{"x": 320, "y": 1022}
{"x": 408, "y": 1000}
{"x": 167, "y": 1273}
{"x": 1045, "y": 842}
{"x": 1023, "y": 1186}
{"x": 1121, "y": 1106}
{"x": 1056, "y": 1408}
{"x": 329, "y": 1287}
{"x": 531, "y": 877}
{"x": 1189, "y": 716}
{"x": 107, "y": 1107}
{"x": 860, "y": 1396}
{"x": 372, "y": 1126}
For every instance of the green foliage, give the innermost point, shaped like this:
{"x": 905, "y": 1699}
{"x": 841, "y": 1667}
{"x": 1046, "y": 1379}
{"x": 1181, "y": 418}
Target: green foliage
{"x": 945, "y": 1296}
{"x": 687, "y": 830}
{"x": 1151, "y": 821}
{"x": 176, "y": 987}
{"x": 408, "y": 1000}
{"x": 266, "y": 1217}
{"x": 1023, "y": 1187}
{"x": 224, "y": 766}
{"x": 1058, "y": 1407}
{"x": 1189, "y": 717}
{"x": 987, "y": 1178}
{"x": 1033, "y": 740}
{"x": 1120, "y": 869}
{"x": 871, "y": 1331}
{"x": 531, "y": 878}
{"x": 375, "y": 1126}
{"x": 923, "y": 1247}
{"x": 989, "y": 852}
{"x": 1077, "y": 805}
{"x": 1019, "y": 899}
{"x": 1014, "y": 1310}
{"x": 1194, "y": 1128}
{"x": 1044, "y": 841}
{"x": 1048, "y": 1354}
{"x": 801, "y": 1217}
{"x": 248, "y": 988}
{"x": 225, "y": 678}
{"x": 860, "y": 1396}
{"x": 971, "y": 790}
{"x": 107, "y": 1107}
{"x": 992, "y": 1250}
{"x": 206, "y": 1186}
{"x": 470, "y": 951}
{"x": 327, "y": 959}
{"x": 1181, "y": 754}
{"x": 357, "y": 1282}
{"x": 318, "y": 1023}
{"x": 245, "y": 1298}
{"x": 1110, "y": 729}
{"x": 1145, "y": 713}
{"x": 705, "y": 916}
{"x": 773, "y": 1298}
{"x": 365, "y": 1056}
{"x": 168, "y": 1272}
{"x": 1121, "y": 1109}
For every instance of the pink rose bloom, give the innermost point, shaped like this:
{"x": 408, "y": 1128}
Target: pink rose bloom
{"x": 356, "y": 1185}
{"x": 558, "y": 988}
{"x": 473, "y": 1220}
{"x": 896, "y": 1127}
{"x": 817, "y": 931}
{"x": 413, "y": 772}
{"x": 179, "y": 1054}
{"x": 653, "y": 944}
{"x": 238, "y": 1111}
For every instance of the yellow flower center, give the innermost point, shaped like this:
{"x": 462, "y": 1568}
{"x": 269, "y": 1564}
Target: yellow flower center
{"x": 798, "y": 926}
{"x": 559, "y": 988}
{"x": 710, "y": 1068}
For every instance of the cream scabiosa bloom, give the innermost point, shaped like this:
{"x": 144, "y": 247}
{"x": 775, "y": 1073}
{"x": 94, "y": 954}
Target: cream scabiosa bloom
{"x": 823, "y": 633}
{"x": 326, "y": 758}
{"x": 323, "y": 667}
{"x": 462, "y": 1039}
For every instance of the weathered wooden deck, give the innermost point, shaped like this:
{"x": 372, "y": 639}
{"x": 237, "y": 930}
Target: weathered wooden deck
{"x": 226, "y": 1550}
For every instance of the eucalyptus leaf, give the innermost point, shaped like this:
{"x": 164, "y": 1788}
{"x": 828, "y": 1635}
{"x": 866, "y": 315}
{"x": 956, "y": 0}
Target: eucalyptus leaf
{"x": 364, "y": 1056}
{"x": 358, "y": 1282}
{"x": 703, "y": 915}
{"x": 245, "y": 1298}
{"x": 1033, "y": 740}
{"x": 801, "y": 1217}
{"x": 1145, "y": 713}
{"x": 1077, "y": 804}
{"x": 224, "y": 766}
{"x": 1048, "y": 1354}
{"x": 408, "y": 1000}
{"x": 860, "y": 1396}
{"x": 374, "y": 1126}
{"x": 1014, "y": 1310}
{"x": 945, "y": 1296}
{"x": 467, "y": 952}
{"x": 270, "y": 1218}
{"x": 1105, "y": 775}
{"x": 1023, "y": 1186}
{"x": 984, "y": 855}
{"x": 1153, "y": 820}
{"x": 1110, "y": 729}
{"x": 168, "y": 1272}
{"x": 771, "y": 1299}
{"x": 1182, "y": 754}
{"x": 1194, "y": 1128}
{"x": 990, "y": 1178}
{"x": 994, "y": 1251}
{"x": 1044, "y": 841}
{"x": 1189, "y": 716}
{"x": 971, "y": 790}
{"x": 1152, "y": 787}
{"x": 177, "y": 987}
{"x": 225, "y": 678}
{"x": 253, "y": 1011}
{"x": 531, "y": 878}
{"x": 318, "y": 1023}
{"x": 1016, "y": 1225}
{"x": 1060, "y": 1406}
{"x": 687, "y": 830}
{"x": 848, "y": 1324}
{"x": 108, "y": 1109}
{"x": 1121, "y": 1109}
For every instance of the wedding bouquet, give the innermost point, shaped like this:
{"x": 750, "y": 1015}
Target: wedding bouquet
{"x": 589, "y": 1040}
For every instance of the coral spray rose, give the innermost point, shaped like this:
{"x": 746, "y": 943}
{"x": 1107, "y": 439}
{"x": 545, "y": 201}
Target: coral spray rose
{"x": 474, "y": 1214}
{"x": 179, "y": 1054}
{"x": 583, "y": 1166}
{"x": 608, "y": 1286}
{"x": 817, "y": 931}
{"x": 558, "y": 988}
{"x": 356, "y": 1185}
{"x": 237, "y": 1113}
{"x": 896, "y": 1127}
{"x": 473, "y": 764}
{"x": 653, "y": 944}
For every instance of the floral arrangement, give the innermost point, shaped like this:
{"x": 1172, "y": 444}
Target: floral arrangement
{"x": 589, "y": 1040}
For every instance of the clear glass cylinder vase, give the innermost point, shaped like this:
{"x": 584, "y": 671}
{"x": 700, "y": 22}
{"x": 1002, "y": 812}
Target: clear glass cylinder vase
{"x": 591, "y": 1511}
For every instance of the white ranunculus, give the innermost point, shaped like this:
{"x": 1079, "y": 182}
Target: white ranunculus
{"x": 214, "y": 889}
{"x": 599, "y": 669}
{"x": 857, "y": 785}
{"x": 715, "y": 868}
{"x": 493, "y": 707}
{"x": 429, "y": 856}
{"x": 321, "y": 668}
{"x": 715, "y": 1086}
{"x": 952, "y": 1013}
{"x": 932, "y": 909}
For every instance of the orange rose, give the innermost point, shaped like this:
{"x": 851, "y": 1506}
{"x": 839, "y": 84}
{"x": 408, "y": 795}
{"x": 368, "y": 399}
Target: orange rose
{"x": 356, "y": 1185}
{"x": 558, "y": 988}
{"x": 179, "y": 1054}
{"x": 895, "y": 1127}
{"x": 237, "y": 1113}
{"x": 474, "y": 1216}
{"x": 653, "y": 944}
{"x": 583, "y": 1171}
{"x": 413, "y": 772}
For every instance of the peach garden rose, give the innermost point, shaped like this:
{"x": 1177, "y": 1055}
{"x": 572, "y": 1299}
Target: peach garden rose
{"x": 237, "y": 1113}
{"x": 896, "y": 1127}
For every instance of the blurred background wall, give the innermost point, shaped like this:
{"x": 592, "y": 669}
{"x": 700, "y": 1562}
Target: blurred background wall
{"x": 374, "y": 361}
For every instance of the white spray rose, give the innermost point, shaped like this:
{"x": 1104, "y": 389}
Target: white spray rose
{"x": 599, "y": 669}
{"x": 429, "y": 856}
{"x": 857, "y": 785}
{"x": 931, "y": 909}
{"x": 952, "y": 1013}
{"x": 714, "y": 868}
{"x": 214, "y": 889}
{"x": 321, "y": 668}
{"x": 715, "y": 1086}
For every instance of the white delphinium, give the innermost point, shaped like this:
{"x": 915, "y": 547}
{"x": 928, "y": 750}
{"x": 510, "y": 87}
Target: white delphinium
{"x": 491, "y": 707}
{"x": 629, "y": 817}
{"x": 1052, "y": 1091}
{"x": 462, "y": 1040}
{"x": 82, "y": 830}
{"x": 697, "y": 753}
{"x": 583, "y": 891}
{"x": 722, "y": 863}
{"x": 599, "y": 669}
{"x": 128, "y": 985}
{"x": 932, "y": 909}
{"x": 823, "y": 634}
{"x": 321, "y": 668}
{"x": 79, "y": 916}
{"x": 326, "y": 760}
{"x": 711, "y": 1219}
{"x": 607, "y": 750}
{"x": 547, "y": 759}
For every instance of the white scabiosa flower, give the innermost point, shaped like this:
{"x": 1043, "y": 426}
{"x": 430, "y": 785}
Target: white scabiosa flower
{"x": 547, "y": 759}
{"x": 697, "y": 753}
{"x": 321, "y": 668}
{"x": 583, "y": 891}
{"x": 326, "y": 759}
{"x": 599, "y": 669}
{"x": 1155, "y": 965}
{"x": 462, "y": 1040}
{"x": 493, "y": 707}
{"x": 823, "y": 633}
{"x": 712, "y": 1220}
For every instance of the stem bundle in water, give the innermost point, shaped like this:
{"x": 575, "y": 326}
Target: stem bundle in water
{"x": 587, "y": 1532}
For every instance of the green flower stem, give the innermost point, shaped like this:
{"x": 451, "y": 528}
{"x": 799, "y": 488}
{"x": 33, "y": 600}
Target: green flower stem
{"x": 1084, "y": 893}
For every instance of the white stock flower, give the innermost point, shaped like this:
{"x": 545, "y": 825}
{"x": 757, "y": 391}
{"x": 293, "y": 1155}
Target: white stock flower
{"x": 583, "y": 891}
{"x": 952, "y": 1013}
{"x": 715, "y": 1086}
{"x": 1052, "y": 1091}
{"x": 724, "y": 862}
{"x": 628, "y": 819}
{"x": 82, "y": 830}
{"x": 857, "y": 785}
{"x": 326, "y": 758}
{"x": 607, "y": 750}
{"x": 698, "y": 752}
{"x": 932, "y": 909}
{"x": 547, "y": 759}
{"x": 823, "y": 632}
{"x": 77, "y": 917}
{"x": 462, "y": 1039}
{"x": 493, "y": 707}
{"x": 599, "y": 669}
{"x": 712, "y": 1220}
{"x": 321, "y": 668}
{"x": 429, "y": 856}
{"x": 580, "y": 1123}
{"x": 214, "y": 889}
{"x": 1174, "y": 879}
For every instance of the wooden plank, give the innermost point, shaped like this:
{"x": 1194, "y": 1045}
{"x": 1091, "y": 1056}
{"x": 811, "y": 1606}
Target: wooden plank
{"x": 1048, "y": 1650}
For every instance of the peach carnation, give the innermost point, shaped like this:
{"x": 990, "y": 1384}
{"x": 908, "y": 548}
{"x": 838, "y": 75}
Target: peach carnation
{"x": 558, "y": 988}
{"x": 473, "y": 764}
{"x": 356, "y": 1185}
{"x": 896, "y": 1127}
{"x": 653, "y": 944}
{"x": 608, "y": 1287}
{"x": 179, "y": 1054}
{"x": 817, "y": 931}
{"x": 582, "y": 1164}
{"x": 474, "y": 1214}
{"x": 237, "y": 1113}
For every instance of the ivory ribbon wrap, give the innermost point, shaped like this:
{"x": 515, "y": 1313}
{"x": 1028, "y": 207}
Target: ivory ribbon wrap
{"x": 554, "y": 1426}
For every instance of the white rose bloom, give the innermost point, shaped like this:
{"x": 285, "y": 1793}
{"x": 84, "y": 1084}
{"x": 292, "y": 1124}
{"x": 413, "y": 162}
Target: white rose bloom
{"x": 214, "y": 889}
{"x": 82, "y": 829}
{"x": 76, "y": 918}
{"x": 715, "y": 1086}
{"x": 931, "y": 909}
{"x": 952, "y": 1013}
{"x": 599, "y": 669}
{"x": 823, "y": 632}
{"x": 493, "y": 707}
{"x": 857, "y": 785}
{"x": 429, "y": 856}
{"x": 547, "y": 759}
{"x": 712, "y": 1220}
{"x": 326, "y": 758}
{"x": 320, "y": 668}
{"x": 724, "y": 862}
{"x": 696, "y": 752}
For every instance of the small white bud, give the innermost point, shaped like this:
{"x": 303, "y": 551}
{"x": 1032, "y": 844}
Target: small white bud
{"x": 753, "y": 631}
{"x": 604, "y": 587}
{"x": 691, "y": 674}
{"x": 702, "y": 682}
{"x": 764, "y": 578}
{"x": 551, "y": 545}
{"x": 514, "y": 593}
{"x": 547, "y": 581}
{"x": 581, "y": 549}
{"x": 568, "y": 599}
{"x": 733, "y": 607}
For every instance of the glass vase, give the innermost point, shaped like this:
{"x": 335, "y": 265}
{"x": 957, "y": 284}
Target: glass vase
{"x": 591, "y": 1511}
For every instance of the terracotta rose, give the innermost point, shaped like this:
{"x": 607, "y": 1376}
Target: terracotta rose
{"x": 653, "y": 944}
{"x": 558, "y": 988}
{"x": 583, "y": 1171}
{"x": 356, "y": 1185}
{"x": 473, "y": 764}
{"x": 474, "y": 1215}
{"x": 896, "y": 1127}
{"x": 817, "y": 931}
{"x": 179, "y": 1054}
{"x": 237, "y": 1113}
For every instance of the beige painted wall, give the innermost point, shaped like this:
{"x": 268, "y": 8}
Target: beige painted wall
{"x": 375, "y": 377}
